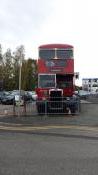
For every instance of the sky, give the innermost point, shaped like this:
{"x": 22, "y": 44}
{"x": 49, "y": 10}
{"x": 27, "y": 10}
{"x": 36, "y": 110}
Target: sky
{"x": 35, "y": 22}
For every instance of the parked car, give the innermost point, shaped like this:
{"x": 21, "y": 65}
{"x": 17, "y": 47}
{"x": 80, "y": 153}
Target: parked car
{"x": 23, "y": 95}
{"x": 33, "y": 95}
{"x": 83, "y": 94}
{"x": 28, "y": 96}
{"x": 8, "y": 99}
{"x": 3, "y": 94}
{"x": 13, "y": 97}
{"x": 19, "y": 97}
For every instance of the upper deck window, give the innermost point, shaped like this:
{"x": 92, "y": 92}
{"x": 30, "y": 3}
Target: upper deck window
{"x": 47, "y": 54}
{"x": 64, "y": 54}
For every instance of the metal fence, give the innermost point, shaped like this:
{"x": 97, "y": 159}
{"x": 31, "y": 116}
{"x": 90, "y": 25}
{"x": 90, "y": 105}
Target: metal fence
{"x": 40, "y": 108}
{"x": 84, "y": 107}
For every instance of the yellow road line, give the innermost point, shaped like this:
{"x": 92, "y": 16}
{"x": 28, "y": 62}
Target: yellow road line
{"x": 32, "y": 128}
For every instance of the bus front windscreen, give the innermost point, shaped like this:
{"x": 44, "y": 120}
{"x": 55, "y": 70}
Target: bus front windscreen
{"x": 47, "y": 81}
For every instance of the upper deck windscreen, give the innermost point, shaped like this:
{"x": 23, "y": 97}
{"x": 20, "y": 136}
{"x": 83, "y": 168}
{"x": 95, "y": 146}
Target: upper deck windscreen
{"x": 47, "y": 54}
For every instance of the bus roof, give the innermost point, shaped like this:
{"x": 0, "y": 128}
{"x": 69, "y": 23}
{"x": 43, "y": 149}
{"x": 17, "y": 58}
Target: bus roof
{"x": 51, "y": 46}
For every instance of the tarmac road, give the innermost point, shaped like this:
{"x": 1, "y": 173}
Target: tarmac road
{"x": 49, "y": 151}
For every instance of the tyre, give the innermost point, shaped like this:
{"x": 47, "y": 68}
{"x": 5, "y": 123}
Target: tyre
{"x": 40, "y": 108}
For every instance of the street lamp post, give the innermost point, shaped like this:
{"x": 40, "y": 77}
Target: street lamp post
{"x": 20, "y": 66}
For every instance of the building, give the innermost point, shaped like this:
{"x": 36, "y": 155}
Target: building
{"x": 90, "y": 84}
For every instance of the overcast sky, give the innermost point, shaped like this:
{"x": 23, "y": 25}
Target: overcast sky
{"x": 36, "y": 22}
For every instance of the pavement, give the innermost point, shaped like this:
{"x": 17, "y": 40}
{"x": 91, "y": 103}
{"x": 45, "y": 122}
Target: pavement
{"x": 39, "y": 120}
{"x": 67, "y": 127}
{"x": 57, "y": 130}
{"x": 77, "y": 124}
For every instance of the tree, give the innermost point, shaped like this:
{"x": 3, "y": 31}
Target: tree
{"x": 10, "y": 65}
{"x": 8, "y": 70}
{"x": 1, "y": 68}
{"x": 29, "y": 79}
{"x": 1, "y": 57}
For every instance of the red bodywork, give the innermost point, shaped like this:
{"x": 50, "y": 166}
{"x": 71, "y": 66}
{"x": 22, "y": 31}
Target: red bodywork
{"x": 43, "y": 93}
{"x": 58, "y": 46}
{"x": 67, "y": 69}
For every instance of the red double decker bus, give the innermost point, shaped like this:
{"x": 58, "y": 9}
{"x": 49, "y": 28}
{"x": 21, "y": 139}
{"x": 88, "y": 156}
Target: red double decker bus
{"x": 56, "y": 76}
